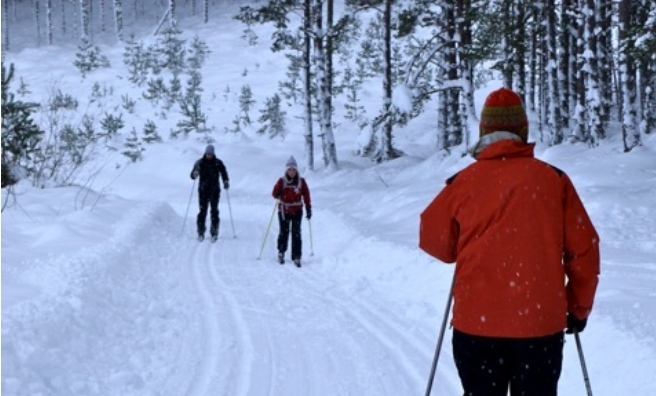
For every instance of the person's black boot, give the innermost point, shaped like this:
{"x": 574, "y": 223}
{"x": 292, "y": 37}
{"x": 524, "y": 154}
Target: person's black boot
{"x": 281, "y": 257}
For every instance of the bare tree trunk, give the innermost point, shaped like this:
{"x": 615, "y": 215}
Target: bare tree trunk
{"x": 5, "y": 25}
{"x": 118, "y": 18}
{"x": 84, "y": 19}
{"x": 554, "y": 117}
{"x": 454, "y": 123}
{"x": 206, "y": 11}
{"x": 49, "y": 21}
{"x": 37, "y": 21}
{"x": 630, "y": 131}
{"x": 466, "y": 66}
{"x": 103, "y": 28}
{"x": 327, "y": 137}
{"x": 307, "y": 81}
{"x": 566, "y": 54}
{"x": 595, "y": 119}
{"x": 63, "y": 17}
{"x": 385, "y": 148}
{"x": 173, "y": 22}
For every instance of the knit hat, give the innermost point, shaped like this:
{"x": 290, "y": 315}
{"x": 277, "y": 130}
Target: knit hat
{"x": 209, "y": 149}
{"x": 504, "y": 111}
{"x": 291, "y": 163}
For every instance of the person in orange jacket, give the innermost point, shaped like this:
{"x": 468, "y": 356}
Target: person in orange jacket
{"x": 526, "y": 253}
{"x": 292, "y": 192}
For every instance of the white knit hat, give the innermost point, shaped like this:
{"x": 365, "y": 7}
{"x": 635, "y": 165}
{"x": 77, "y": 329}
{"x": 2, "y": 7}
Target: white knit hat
{"x": 291, "y": 163}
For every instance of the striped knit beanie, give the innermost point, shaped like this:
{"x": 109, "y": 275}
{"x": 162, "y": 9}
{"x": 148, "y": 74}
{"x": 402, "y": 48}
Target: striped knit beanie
{"x": 504, "y": 111}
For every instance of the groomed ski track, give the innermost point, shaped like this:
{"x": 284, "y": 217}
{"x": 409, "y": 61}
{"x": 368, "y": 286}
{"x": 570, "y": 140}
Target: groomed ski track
{"x": 261, "y": 328}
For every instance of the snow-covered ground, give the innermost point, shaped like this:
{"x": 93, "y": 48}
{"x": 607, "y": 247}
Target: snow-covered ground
{"x": 105, "y": 290}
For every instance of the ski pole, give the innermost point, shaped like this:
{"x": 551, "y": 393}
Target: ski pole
{"x": 586, "y": 379}
{"x": 188, "y": 205}
{"x": 311, "y": 242}
{"x": 267, "y": 230}
{"x": 440, "y": 339}
{"x": 230, "y": 210}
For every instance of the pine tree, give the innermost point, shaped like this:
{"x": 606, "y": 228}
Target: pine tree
{"x": 88, "y": 57}
{"x": 198, "y": 53}
{"x": 246, "y": 101}
{"x": 273, "y": 118}
{"x": 111, "y": 125}
{"x": 133, "y": 147}
{"x": 137, "y": 60}
{"x": 150, "y": 134}
{"x": 190, "y": 107}
{"x": 20, "y": 134}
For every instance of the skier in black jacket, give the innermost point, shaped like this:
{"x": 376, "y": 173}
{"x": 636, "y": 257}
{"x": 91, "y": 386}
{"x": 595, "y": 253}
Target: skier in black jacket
{"x": 208, "y": 169}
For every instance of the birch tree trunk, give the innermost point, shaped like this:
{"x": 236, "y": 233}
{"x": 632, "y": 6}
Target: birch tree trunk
{"x": 307, "y": 83}
{"x": 118, "y": 18}
{"x": 595, "y": 119}
{"x": 385, "y": 149}
{"x": 173, "y": 22}
{"x": 5, "y": 25}
{"x": 206, "y": 11}
{"x": 63, "y": 16}
{"x": 554, "y": 117}
{"x": 327, "y": 137}
{"x": 85, "y": 18}
{"x": 566, "y": 54}
{"x": 37, "y": 21}
{"x": 630, "y": 131}
{"x": 49, "y": 27}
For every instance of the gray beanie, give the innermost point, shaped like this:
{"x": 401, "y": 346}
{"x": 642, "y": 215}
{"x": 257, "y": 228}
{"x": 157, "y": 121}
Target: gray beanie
{"x": 291, "y": 163}
{"x": 209, "y": 149}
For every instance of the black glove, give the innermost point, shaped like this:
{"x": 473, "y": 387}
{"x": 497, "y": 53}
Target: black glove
{"x": 574, "y": 324}
{"x": 194, "y": 174}
{"x": 309, "y": 213}
{"x": 226, "y": 184}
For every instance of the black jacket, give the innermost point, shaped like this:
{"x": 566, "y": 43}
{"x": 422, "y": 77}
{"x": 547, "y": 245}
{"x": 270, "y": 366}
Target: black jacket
{"x": 208, "y": 170}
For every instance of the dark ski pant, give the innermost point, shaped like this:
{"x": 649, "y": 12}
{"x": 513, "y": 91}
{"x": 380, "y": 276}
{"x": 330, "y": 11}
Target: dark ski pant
{"x": 211, "y": 198}
{"x": 488, "y": 365}
{"x": 293, "y": 220}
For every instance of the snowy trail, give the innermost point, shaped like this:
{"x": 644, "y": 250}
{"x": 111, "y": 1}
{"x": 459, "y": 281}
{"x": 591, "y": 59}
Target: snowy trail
{"x": 266, "y": 329}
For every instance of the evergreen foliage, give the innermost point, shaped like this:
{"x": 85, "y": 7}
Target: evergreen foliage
{"x": 133, "y": 147}
{"x": 246, "y": 102}
{"x": 273, "y": 118}
{"x": 20, "y": 134}
{"x": 88, "y": 57}
{"x": 150, "y": 134}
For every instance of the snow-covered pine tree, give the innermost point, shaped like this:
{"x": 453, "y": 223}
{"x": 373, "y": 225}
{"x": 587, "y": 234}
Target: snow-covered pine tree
{"x": 171, "y": 51}
{"x": 272, "y": 118}
{"x": 190, "y": 107}
{"x": 150, "y": 134}
{"x": 88, "y": 57}
{"x": 110, "y": 125}
{"x": 352, "y": 85}
{"x": 198, "y": 52}
{"x": 20, "y": 134}
{"x": 133, "y": 147}
{"x": 155, "y": 90}
{"x": 138, "y": 61}
{"x": 292, "y": 87}
{"x": 246, "y": 101}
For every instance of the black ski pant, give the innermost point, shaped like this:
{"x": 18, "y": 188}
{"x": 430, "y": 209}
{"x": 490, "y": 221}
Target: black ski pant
{"x": 294, "y": 221}
{"x": 208, "y": 197}
{"x": 489, "y": 365}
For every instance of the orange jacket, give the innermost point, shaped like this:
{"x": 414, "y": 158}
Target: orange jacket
{"x": 526, "y": 250}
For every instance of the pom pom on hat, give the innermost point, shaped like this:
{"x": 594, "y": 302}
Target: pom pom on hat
{"x": 209, "y": 149}
{"x": 504, "y": 111}
{"x": 291, "y": 163}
